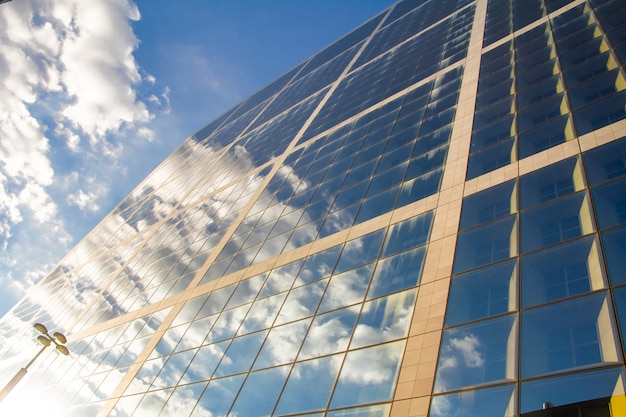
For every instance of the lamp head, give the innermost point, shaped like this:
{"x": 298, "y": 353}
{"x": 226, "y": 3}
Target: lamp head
{"x": 44, "y": 340}
{"x": 60, "y": 337}
{"x": 40, "y": 328}
{"x": 63, "y": 350}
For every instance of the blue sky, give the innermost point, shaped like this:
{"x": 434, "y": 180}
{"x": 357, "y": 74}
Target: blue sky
{"x": 96, "y": 94}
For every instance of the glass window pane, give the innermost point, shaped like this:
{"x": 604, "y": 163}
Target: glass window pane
{"x": 190, "y": 310}
{"x": 301, "y": 302}
{"x": 420, "y": 187}
{"x": 318, "y": 266}
{"x": 484, "y": 245}
{"x": 601, "y": 86}
{"x": 204, "y": 363}
{"x": 262, "y": 314}
{"x": 196, "y": 333}
{"x": 360, "y": 251}
{"x": 227, "y": 324}
{"x": 610, "y": 203}
{"x": 546, "y": 136}
{"x": 561, "y": 272}
{"x": 377, "y": 205}
{"x": 606, "y": 162}
{"x": 426, "y": 162}
{"x": 606, "y": 385}
{"x": 145, "y": 376}
{"x": 477, "y": 353}
{"x": 255, "y": 402}
{"x": 300, "y": 395}
{"x": 173, "y": 369}
{"x": 183, "y": 400}
{"x": 218, "y": 396}
{"x": 152, "y": 403}
{"x": 240, "y": 354}
{"x": 280, "y": 279}
{"x": 397, "y": 272}
{"x": 488, "y": 205}
{"x": 556, "y": 222}
{"x": 567, "y": 335}
{"x": 614, "y": 243}
{"x": 604, "y": 112}
{"x": 381, "y": 410}
{"x": 550, "y": 183}
{"x": 482, "y": 293}
{"x": 493, "y": 134}
{"x": 491, "y": 402}
{"x": 368, "y": 375}
{"x": 282, "y": 344}
{"x": 329, "y": 333}
{"x": 246, "y": 291}
{"x": 619, "y": 296}
{"x": 491, "y": 158}
{"x": 384, "y": 319}
{"x": 346, "y": 288}
{"x": 407, "y": 234}
{"x": 542, "y": 112}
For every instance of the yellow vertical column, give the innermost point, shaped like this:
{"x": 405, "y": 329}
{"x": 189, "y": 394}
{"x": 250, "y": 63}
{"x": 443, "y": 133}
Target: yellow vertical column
{"x": 417, "y": 372}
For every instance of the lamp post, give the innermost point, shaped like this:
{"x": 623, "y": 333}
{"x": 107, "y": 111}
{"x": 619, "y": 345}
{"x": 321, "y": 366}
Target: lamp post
{"x": 58, "y": 339}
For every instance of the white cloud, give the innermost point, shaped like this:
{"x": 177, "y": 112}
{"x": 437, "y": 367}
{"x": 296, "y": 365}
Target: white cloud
{"x": 69, "y": 86}
{"x": 84, "y": 201}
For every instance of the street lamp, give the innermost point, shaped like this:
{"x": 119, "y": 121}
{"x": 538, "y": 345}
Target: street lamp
{"x": 58, "y": 339}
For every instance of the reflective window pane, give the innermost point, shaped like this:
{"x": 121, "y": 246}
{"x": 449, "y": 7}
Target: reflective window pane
{"x": 360, "y": 251}
{"x": 614, "y": 243}
{"x": 407, "y": 234}
{"x": 397, "y": 272}
{"x": 329, "y": 333}
{"x": 550, "y": 183}
{"x": 572, "y": 390}
{"x": 240, "y": 354}
{"x": 606, "y": 162}
{"x": 488, "y": 205}
{"x": 384, "y": 319}
{"x": 492, "y": 402}
{"x": 368, "y": 375}
{"x": 255, "y": 402}
{"x": 262, "y": 314}
{"x": 218, "y": 396}
{"x": 561, "y": 272}
{"x": 318, "y": 266}
{"x": 482, "y": 293}
{"x": 300, "y": 395}
{"x": 382, "y": 410}
{"x": 282, "y": 344}
{"x": 610, "y": 203}
{"x": 204, "y": 363}
{"x": 477, "y": 353}
{"x": 346, "y": 288}
{"x": 183, "y": 400}
{"x": 556, "y": 222}
{"x": 484, "y": 245}
{"x": 567, "y": 335}
{"x": 301, "y": 302}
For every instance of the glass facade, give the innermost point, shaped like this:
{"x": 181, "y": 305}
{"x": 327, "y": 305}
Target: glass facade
{"x": 426, "y": 218}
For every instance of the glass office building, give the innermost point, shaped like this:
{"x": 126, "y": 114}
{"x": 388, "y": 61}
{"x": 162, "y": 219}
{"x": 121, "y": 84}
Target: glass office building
{"x": 426, "y": 218}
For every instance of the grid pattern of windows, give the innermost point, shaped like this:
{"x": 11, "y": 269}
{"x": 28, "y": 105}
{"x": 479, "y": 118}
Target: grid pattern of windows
{"x": 341, "y": 308}
{"x": 544, "y": 87}
{"x": 388, "y": 158}
{"x": 330, "y": 247}
{"x": 553, "y": 294}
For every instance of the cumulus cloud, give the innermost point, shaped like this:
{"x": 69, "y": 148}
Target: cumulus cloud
{"x": 69, "y": 84}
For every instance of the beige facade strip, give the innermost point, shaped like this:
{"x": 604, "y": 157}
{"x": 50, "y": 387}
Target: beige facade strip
{"x": 417, "y": 372}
